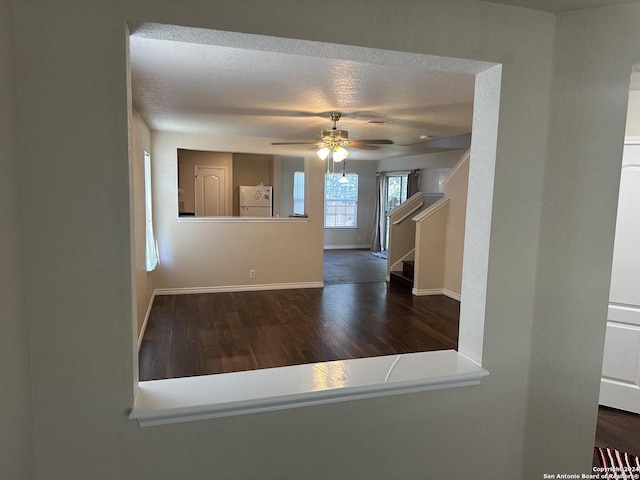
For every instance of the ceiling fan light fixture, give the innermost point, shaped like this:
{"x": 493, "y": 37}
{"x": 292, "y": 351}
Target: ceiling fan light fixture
{"x": 323, "y": 153}
{"x": 339, "y": 154}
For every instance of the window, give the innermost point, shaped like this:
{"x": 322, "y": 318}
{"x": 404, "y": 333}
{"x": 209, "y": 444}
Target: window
{"x": 341, "y": 200}
{"x": 151, "y": 248}
{"x": 396, "y": 194}
{"x": 298, "y": 193}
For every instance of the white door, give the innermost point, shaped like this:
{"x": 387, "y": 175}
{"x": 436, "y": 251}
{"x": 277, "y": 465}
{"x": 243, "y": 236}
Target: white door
{"x": 620, "y": 384}
{"x": 211, "y": 191}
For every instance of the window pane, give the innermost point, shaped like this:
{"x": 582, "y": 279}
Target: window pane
{"x": 298, "y": 193}
{"x": 341, "y": 201}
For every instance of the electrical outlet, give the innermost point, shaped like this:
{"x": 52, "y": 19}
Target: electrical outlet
{"x": 252, "y": 274}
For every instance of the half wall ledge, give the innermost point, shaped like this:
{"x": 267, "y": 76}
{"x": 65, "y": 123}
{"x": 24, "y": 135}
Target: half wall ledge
{"x": 161, "y": 402}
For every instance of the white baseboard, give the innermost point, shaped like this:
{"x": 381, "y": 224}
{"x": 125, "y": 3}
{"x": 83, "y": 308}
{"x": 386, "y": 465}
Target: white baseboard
{"x": 435, "y": 291}
{"x": 146, "y": 319}
{"x": 347, "y": 247}
{"x": 450, "y": 294}
{"x": 426, "y": 291}
{"x": 238, "y": 288}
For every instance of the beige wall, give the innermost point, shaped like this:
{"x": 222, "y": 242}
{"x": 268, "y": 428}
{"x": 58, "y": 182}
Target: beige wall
{"x": 140, "y": 143}
{"x": 440, "y": 233}
{"x": 16, "y": 427}
{"x": 203, "y": 254}
{"x": 431, "y": 244}
{"x": 456, "y": 191}
{"x": 562, "y": 115}
{"x": 633, "y": 114}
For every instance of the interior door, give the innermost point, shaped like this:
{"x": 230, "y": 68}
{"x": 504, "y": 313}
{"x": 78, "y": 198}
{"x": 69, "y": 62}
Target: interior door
{"x": 211, "y": 191}
{"x": 620, "y": 384}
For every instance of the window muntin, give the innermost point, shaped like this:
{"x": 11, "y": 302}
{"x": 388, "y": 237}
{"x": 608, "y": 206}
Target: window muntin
{"x": 341, "y": 200}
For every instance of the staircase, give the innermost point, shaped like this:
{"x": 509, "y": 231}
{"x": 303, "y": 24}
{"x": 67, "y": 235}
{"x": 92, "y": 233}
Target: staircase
{"x": 404, "y": 277}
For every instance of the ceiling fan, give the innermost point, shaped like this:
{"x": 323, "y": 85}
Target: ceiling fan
{"x": 335, "y": 139}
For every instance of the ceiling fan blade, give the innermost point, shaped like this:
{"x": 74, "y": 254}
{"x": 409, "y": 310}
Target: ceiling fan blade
{"x": 364, "y": 147}
{"x": 371, "y": 142}
{"x": 294, "y": 143}
{"x": 454, "y": 142}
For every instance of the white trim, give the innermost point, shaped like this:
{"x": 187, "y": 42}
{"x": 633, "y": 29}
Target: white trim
{"x": 160, "y": 402}
{"x": 632, "y": 140}
{"x": 450, "y": 294}
{"x": 629, "y": 314}
{"x": 408, "y": 204}
{"x": 347, "y": 247}
{"x": 407, "y": 215}
{"x": 238, "y": 288}
{"x": 463, "y": 159}
{"x": 409, "y": 256}
{"x": 435, "y": 291}
{"x": 433, "y": 208}
{"x": 146, "y": 319}
{"x": 619, "y": 395}
{"x": 427, "y": 291}
{"x": 191, "y": 219}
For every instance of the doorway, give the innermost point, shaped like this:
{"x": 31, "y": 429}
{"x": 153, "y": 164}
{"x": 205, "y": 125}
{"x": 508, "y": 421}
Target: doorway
{"x": 395, "y": 193}
{"x": 211, "y": 191}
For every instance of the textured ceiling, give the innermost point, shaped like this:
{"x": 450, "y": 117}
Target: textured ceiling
{"x": 557, "y": 6}
{"x": 195, "y": 81}
{"x": 253, "y": 90}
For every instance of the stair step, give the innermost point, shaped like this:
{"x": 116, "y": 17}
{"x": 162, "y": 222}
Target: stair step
{"x": 401, "y": 280}
{"x": 408, "y": 268}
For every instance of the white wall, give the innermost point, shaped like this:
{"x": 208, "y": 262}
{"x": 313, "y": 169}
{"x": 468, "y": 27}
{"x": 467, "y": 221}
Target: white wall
{"x": 576, "y": 243}
{"x": 429, "y": 164}
{"x": 16, "y": 428}
{"x": 548, "y": 272}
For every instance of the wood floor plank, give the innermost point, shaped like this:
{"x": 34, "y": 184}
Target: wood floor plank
{"x": 200, "y": 334}
{"x": 618, "y": 429}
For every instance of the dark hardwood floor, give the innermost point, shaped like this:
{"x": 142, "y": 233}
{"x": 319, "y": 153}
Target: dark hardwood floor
{"x": 356, "y": 315}
{"x": 618, "y": 429}
{"x": 353, "y": 266}
{"x": 201, "y": 334}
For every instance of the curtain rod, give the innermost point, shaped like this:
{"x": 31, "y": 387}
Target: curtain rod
{"x": 406, "y": 170}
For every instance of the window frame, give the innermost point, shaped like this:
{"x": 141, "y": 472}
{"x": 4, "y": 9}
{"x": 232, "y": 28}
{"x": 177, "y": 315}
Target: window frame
{"x": 353, "y": 178}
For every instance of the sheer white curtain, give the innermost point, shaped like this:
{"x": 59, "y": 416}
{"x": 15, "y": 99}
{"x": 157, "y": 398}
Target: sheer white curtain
{"x": 151, "y": 249}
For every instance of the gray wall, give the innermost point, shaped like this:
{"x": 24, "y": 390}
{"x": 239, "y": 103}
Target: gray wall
{"x": 594, "y": 53}
{"x": 16, "y": 447}
{"x": 561, "y": 126}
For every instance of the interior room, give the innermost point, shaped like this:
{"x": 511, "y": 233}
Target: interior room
{"x": 518, "y": 398}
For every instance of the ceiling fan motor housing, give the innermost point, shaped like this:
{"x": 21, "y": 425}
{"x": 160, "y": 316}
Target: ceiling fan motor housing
{"x": 335, "y": 137}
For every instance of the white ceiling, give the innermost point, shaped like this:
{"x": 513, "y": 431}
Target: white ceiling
{"x": 251, "y": 90}
{"x": 204, "y": 82}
